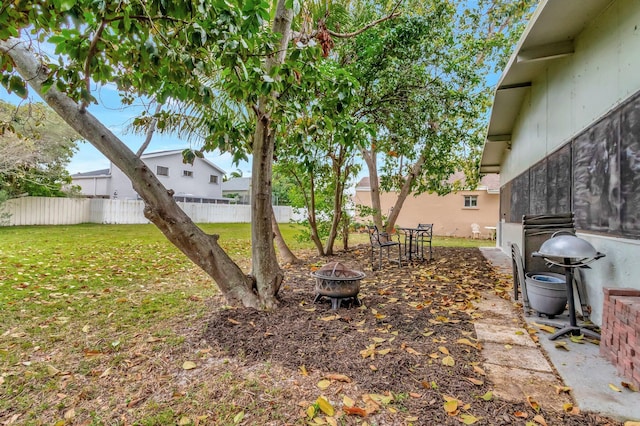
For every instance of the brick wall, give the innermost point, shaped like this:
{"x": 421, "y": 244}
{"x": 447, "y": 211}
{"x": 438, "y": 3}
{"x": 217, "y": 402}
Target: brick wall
{"x": 620, "y": 337}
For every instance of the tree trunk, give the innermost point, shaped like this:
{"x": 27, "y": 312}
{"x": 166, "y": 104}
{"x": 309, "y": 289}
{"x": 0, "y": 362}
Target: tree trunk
{"x": 264, "y": 261}
{"x": 404, "y": 193}
{"x": 160, "y": 207}
{"x": 266, "y": 270}
{"x": 286, "y": 255}
{"x": 374, "y": 184}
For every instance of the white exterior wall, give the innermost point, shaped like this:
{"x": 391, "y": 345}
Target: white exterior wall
{"x": 93, "y": 186}
{"x": 571, "y": 95}
{"x": 198, "y": 185}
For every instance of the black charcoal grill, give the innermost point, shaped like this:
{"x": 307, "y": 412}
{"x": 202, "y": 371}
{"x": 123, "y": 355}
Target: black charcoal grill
{"x": 569, "y": 252}
{"x": 337, "y": 283}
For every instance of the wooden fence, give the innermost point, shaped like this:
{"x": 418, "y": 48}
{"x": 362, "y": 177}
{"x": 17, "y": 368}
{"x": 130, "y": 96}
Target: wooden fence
{"x": 69, "y": 211}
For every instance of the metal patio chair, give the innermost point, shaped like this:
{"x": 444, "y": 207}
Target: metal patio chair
{"x": 382, "y": 241}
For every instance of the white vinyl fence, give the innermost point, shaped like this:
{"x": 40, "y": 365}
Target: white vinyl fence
{"x": 69, "y": 211}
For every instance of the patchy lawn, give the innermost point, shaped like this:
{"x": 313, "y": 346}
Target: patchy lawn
{"x": 112, "y": 325}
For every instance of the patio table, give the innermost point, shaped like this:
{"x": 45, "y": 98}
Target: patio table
{"x": 409, "y": 235}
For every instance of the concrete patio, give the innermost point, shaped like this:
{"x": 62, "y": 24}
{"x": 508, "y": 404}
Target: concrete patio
{"x": 521, "y": 368}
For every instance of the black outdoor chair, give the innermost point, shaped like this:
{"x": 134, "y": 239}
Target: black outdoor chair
{"x": 382, "y": 241}
{"x": 424, "y": 237}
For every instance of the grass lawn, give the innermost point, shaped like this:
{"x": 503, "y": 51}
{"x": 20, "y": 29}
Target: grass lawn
{"x": 92, "y": 316}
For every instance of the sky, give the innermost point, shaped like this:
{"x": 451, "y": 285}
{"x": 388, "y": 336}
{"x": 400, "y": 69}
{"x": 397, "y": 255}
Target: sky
{"x": 117, "y": 118}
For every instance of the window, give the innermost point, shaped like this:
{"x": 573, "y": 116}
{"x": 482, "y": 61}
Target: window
{"x": 471, "y": 201}
{"x": 187, "y": 173}
{"x": 213, "y": 179}
{"x": 162, "y": 171}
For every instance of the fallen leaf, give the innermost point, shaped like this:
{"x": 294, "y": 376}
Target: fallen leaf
{"x": 451, "y": 406}
{"x": 561, "y": 345}
{"x": 546, "y": 328}
{"x": 467, "y": 342}
{"x": 232, "y": 321}
{"x": 508, "y": 347}
{"x": 311, "y": 411}
{"x": 330, "y": 318}
{"x": 475, "y": 381}
{"x": 384, "y": 351}
{"x": 69, "y": 414}
{"x": 448, "y": 361}
{"x": 479, "y": 370}
{"x": 577, "y": 339}
{"x": 354, "y": 411}
{"x": 413, "y": 351}
{"x": 86, "y": 328}
{"x": 468, "y": 419}
{"x": 630, "y": 386}
{"x": 338, "y": 377}
{"x": 521, "y": 414}
{"x": 189, "y": 365}
{"x": 533, "y": 403}
{"x": 381, "y": 399}
{"x": 614, "y": 387}
{"x": 487, "y": 396}
{"x": 238, "y": 417}
{"x": 52, "y": 371}
{"x": 325, "y": 406}
{"x": 324, "y": 384}
{"x": 348, "y": 402}
{"x": 303, "y": 370}
{"x": 379, "y": 339}
{"x": 443, "y": 350}
{"x": 415, "y": 395}
{"x": 105, "y": 373}
{"x": 561, "y": 389}
{"x": 540, "y": 420}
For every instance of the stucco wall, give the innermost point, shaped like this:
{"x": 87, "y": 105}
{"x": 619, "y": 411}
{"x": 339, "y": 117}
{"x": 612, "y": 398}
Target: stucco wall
{"x": 569, "y": 96}
{"x": 447, "y": 213}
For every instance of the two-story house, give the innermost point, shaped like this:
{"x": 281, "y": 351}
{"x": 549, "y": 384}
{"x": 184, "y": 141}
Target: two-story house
{"x": 197, "y": 182}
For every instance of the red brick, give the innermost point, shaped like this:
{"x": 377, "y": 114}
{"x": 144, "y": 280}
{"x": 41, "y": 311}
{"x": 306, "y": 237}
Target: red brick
{"x": 621, "y": 292}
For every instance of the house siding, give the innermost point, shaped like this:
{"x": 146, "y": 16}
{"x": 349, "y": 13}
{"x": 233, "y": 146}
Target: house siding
{"x": 566, "y": 101}
{"x": 447, "y": 213}
{"x": 119, "y": 186}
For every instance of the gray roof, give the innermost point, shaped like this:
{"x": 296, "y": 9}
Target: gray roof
{"x": 489, "y": 182}
{"x": 549, "y": 35}
{"x": 101, "y": 172}
{"x": 237, "y": 184}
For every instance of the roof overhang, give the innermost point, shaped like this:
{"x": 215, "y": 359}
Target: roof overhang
{"x": 550, "y": 35}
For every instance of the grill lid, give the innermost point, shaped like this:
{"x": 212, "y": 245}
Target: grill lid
{"x": 568, "y": 246}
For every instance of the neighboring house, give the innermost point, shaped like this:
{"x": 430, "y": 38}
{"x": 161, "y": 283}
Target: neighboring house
{"x": 564, "y": 133}
{"x": 237, "y": 189}
{"x": 451, "y": 215}
{"x": 197, "y": 182}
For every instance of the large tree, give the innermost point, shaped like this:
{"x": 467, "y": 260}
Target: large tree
{"x": 175, "y": 52}
{"x": 424, "y": 87}
{"x": 35, "y": 148}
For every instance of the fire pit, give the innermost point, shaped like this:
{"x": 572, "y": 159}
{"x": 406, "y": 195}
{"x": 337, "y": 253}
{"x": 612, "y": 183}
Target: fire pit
{"x": 337, "y": 283}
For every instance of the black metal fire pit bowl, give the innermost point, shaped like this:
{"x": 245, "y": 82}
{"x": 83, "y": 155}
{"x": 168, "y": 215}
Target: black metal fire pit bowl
{"x": 337, "y": 283}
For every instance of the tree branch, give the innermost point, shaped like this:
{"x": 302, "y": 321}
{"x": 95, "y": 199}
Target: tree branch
{"x": 150, "y": 131}
{"x": 87, "y": 63}
{"x": 392, "y": 15}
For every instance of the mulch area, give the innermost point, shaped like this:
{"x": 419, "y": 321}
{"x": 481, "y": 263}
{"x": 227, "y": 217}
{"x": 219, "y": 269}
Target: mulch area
{"x": 398, "y": 358}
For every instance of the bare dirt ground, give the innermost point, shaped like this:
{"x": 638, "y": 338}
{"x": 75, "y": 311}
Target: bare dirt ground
{"x": 408, "y": 355}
